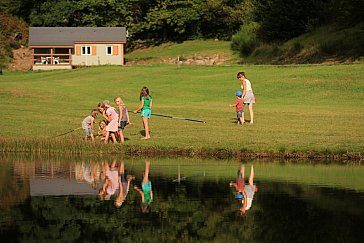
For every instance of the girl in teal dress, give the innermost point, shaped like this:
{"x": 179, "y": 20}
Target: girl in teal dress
{"x": 146, "y": 109}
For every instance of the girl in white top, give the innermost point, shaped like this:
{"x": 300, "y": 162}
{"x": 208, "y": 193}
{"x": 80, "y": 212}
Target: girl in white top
{"x": 248, "y": 94}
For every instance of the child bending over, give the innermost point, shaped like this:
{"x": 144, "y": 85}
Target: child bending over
{"x": 88, "y": 125}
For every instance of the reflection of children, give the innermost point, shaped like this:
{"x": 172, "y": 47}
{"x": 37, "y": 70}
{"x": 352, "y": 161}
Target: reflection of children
{"x": 240, "y": 184}
{"x": 123, "y": 117}
{"x": 146, "y": 192}
{"x": 146, "y": 109}
{"x": 111, "y": 184}
{"x": 124, "y": 184}
{"x": 239, "y": 104}
{"x": 89, "y": 174}
{"x": 88, "y": 125}
{"x": 78, "y": 172}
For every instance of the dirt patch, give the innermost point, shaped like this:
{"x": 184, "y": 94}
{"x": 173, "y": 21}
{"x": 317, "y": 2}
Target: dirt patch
{"x": 198, "y": 60}
{"x": 22, "y": 59}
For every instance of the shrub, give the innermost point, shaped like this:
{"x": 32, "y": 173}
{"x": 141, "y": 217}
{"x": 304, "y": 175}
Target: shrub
{"x": 245, "y": 40}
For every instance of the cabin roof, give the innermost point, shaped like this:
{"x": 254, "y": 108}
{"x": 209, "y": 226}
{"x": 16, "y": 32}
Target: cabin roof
{"x": 67, "y": 36}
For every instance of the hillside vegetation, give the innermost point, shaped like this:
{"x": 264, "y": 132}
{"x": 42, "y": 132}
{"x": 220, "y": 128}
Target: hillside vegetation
{"x": 262, "y": 31}
{"x": 328, "y": 44}
{"x": 13, "y": 34}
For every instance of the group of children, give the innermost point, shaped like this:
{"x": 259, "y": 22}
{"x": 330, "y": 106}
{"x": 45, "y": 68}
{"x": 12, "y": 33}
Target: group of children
{"x": 116, "y": 180}
{"x": 116, "y": 119}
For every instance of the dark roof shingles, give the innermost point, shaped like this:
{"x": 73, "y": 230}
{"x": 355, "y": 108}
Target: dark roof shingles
{"x": 67, "y": 36}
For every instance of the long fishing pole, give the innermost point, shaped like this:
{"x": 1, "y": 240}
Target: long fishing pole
{"x": 68, "y": 132}
{"x": 179, "y": 118}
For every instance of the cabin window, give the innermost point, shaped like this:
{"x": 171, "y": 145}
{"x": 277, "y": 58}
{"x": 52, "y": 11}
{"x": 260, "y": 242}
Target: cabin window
{"x": 86, "y": 50}
{"x": 108, "y": 50}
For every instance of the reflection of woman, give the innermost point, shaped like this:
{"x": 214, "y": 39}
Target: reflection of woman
{"x": 146, "y": 192}
{"x": 248, "y": 94}
{"x": 249, "y": 190}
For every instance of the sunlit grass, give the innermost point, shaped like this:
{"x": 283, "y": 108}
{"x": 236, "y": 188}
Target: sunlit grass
{"x": 308, "y": 108}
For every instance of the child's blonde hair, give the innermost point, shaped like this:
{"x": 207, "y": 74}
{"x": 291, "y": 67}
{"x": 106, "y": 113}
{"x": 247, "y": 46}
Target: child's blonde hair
{"x": 121, "y": 101}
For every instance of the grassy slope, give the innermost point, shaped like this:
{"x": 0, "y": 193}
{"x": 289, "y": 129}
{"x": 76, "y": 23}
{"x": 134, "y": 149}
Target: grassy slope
{"x": 299, "y": 108}
{"x": 187, "y": 49}
{"x": 326, "y": 44}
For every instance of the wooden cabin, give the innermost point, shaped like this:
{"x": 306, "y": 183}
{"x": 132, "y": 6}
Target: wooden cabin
{"x": 67, "y": 47}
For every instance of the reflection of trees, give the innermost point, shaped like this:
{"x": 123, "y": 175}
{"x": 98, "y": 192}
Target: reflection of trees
{"x": 12, "y": 189}
{"x": 174, "y": 216}
{"x": 192, "y": 211}
{"x": 302, "y": 213}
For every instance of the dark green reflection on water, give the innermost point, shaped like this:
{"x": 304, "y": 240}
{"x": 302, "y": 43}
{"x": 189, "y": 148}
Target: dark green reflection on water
{"x": 192, "y": 202}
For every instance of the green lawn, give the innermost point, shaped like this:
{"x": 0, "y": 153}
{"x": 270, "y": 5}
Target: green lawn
{"x": 299, "y": 108}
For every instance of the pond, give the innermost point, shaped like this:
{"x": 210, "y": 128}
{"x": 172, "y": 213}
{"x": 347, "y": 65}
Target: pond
{"x": 44, "y": 199}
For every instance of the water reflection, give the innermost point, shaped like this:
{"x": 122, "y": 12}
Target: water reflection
{"x": 188, "y": 201}
{"x": 124, "y": 185}
{"x": 146, "y": 192}
{"x": 244, "y": 192}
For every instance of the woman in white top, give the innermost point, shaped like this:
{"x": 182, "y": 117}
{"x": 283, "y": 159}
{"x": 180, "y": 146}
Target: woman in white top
{"x": 248, "y": 94}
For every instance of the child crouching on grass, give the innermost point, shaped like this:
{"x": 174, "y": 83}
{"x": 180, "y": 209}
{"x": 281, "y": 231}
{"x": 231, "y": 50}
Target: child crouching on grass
{"x": 101, "y": 133}
{"x": 239, "y": 105}
{"x": 88, "y": 125}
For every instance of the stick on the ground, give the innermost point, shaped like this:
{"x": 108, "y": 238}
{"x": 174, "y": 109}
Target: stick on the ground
{"x": 68, "y": 132}
{"x": 179, "y": 118}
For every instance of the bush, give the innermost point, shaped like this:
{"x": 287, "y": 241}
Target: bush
{"x": 346, "y": 43}
{"x": 245, "y": 40}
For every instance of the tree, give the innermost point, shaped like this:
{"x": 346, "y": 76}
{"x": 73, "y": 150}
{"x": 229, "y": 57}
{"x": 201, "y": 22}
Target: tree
{"x": 281, "y": 20}
{"x": 172, "y": 20}
{"x": 49, "y": 13}
{"x": 221, "y": 19}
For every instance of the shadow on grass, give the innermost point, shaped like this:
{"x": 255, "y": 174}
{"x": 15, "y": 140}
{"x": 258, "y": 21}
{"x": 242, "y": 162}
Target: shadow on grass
{"x": 234, "y": 121}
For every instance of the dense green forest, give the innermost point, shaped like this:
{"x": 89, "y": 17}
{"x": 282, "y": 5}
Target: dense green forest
{"x": 251, "y": 24}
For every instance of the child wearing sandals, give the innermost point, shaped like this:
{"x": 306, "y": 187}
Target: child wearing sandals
{"x": 88, "y": 125}
{"x": 239, "y": 106}
{"x": 145, "y": 107}
{"x": 123, "y": 117}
